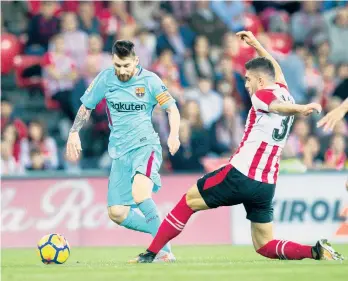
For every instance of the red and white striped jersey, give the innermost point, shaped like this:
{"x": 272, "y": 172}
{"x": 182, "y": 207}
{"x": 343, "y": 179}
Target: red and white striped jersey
{"x": 264, "y": 137}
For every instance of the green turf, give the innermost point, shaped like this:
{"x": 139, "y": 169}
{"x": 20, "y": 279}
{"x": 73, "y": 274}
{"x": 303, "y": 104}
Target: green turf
{"x": 204, "y": 263}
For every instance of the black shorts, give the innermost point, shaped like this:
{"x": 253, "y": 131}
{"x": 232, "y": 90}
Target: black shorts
{"x": 227, "y": 187}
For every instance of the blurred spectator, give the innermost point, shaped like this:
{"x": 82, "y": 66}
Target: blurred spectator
{"x": 337, "y": 28}
{"x": 340, "y": 129}
{"x": 201, "y": 63}
{"x": 181, "y": 10}
{"x": 9, "y": 134}
{"x": 39, "y": 141}
{"x": 8, "y": 117}
{"x": 231, "y": 13}
{"x": 15, "y": 16}
{"x": 231, "y": 83}
{"x": 205, "y": 22}
{"x": 96, "y": 59}
{"x": 178, "y": 39}
{"x": 115, "y": 17}
{"x": 335, "y": 156}
{"x": 41, "y": 28}
{"x": 226, "y": 132}
{"x": 146, "y": 13}
{"x": 145, "y": 44}
{"x": 329, "y": 75}
{"x": 75, "y": 41}
{"x": 87, "y": 19}
{"x": 297, "y": 139}
{"x": 294, "y": 71}
{"x": 341, "y": 90}
{"x": 313, "y": 80}
{"x": 210, "y": 102}
{"x": 239, "y": 52}
{"x": 37, "y": 161}
{"x": 277, "y": 21}
{"x": 60, "y": 73}
{"x": 329, "y": 4}
{"x": 311, "y": 151}
{"x": 9, "y": 165}
{"x": 166, "y": 68}
{"x": 176, "y": 91}
{"x": 310, "y": 18}
{"x": 322, "y": 54}
{"x": 194, "y": 145}
{"x": 126, "y": 32}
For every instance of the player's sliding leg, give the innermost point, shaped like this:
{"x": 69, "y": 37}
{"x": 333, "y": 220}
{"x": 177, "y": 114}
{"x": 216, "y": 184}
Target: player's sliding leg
{"x": 265, "y": 245}
{"x": 142, "y": 191}
{"x": 174, "y": 223}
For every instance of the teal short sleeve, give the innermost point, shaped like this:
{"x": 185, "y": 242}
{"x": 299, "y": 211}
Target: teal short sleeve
{"x": 95, "y": 92}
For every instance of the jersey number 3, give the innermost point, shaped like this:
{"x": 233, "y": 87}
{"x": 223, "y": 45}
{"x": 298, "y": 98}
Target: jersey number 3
{"x": 282, "y": 133}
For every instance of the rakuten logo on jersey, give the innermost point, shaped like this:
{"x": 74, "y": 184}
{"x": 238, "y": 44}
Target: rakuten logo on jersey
{"x": 127, "y": 106}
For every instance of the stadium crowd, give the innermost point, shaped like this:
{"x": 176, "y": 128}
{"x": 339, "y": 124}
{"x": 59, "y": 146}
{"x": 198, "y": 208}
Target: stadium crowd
{"x": 192, "y": 46}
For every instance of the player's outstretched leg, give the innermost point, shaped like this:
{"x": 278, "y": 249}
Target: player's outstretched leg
{"x": 173, "y": 224}
{"x": 266, "y": 246}
{"x": 142, "y": 190}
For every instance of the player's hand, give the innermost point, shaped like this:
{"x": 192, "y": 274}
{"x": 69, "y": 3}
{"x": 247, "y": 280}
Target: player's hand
{"x": 310, "y": 108}
{"x": 330, "y": 120}
{"x": 173, "y": 144}
{"x": 73, "y": 147}
{"x": 249, "y": 38}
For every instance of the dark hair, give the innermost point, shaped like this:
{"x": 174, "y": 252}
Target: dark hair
{"x": 123, "y": 48}
{"x": 261, "y": 64}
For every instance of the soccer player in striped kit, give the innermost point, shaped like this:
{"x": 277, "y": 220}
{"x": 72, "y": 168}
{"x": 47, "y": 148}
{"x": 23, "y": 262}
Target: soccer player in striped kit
{"x": 250, "y": 176}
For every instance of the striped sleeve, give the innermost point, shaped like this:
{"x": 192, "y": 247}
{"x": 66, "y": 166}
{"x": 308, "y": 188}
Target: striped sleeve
{"x": 262, "y": 99}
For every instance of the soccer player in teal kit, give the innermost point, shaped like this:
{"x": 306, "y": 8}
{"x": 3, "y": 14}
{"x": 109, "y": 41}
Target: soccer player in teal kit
{"x": 131, "y": 93}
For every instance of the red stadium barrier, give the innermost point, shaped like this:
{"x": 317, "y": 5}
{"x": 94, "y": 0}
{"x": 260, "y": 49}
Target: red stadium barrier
{"x": 76, "y": 208}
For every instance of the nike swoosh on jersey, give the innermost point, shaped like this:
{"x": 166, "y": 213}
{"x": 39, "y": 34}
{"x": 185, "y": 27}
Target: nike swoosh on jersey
{"x": 113, "y": 89}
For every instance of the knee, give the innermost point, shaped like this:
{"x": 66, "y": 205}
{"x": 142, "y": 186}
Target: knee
{"x": 141, "y": 188}
{"x": 190, "y": 198}
{"x": 118, "y": 213}
{"x": 194, "y": 199}
{"x": 139, "y": 197}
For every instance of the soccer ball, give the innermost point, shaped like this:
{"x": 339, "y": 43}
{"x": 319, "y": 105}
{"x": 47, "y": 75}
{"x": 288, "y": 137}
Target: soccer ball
{"x": 53, "y": 248}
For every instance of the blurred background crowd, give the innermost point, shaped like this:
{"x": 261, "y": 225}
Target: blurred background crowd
{"x": 51, "y": 51}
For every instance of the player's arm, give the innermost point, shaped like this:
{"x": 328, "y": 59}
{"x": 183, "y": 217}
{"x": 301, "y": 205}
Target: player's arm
{"x": 93, "y": 95}
{"x": 174, "y": 124}
{"x": 265, "y": 101}
{"x": 251, "y": 40}
{"x": 330, "y": 120}
{"x": 167, "y": 102}
{"x": 287, "y": 108}
{"x": 174, "y": 120}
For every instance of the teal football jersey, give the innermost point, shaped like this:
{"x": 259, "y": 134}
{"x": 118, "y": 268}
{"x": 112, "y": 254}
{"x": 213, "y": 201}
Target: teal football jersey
{"x": 129, "y": 107}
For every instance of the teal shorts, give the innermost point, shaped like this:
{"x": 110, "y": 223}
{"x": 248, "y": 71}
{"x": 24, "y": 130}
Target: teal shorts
{"x": 145, "y": 160}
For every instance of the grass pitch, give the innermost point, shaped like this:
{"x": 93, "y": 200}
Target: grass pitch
{"x": 203, "y": 263}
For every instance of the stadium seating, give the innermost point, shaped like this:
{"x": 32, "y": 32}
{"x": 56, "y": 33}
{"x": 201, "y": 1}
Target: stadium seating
{"x": 10, "y": 48}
